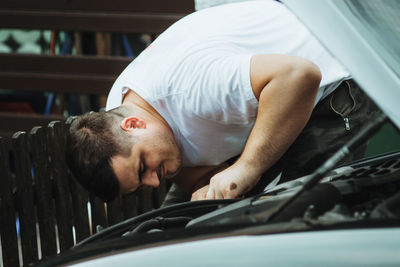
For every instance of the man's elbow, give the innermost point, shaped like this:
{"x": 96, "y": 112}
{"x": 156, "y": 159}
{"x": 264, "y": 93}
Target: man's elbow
{"x": 308, "y": 74}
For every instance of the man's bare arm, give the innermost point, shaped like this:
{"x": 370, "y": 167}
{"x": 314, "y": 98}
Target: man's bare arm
{"x": 286, "y": 87}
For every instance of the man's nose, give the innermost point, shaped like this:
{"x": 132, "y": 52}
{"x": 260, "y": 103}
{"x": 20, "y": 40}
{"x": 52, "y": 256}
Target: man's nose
{"x": 151, "y": 179}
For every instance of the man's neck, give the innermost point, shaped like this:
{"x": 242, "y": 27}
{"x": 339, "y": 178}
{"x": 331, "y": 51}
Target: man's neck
{"x": 141, "y": 107}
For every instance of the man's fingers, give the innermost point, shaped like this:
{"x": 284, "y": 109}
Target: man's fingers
{"x": 218, "y": 194}
{"x": 194, "y": 197}
{"x": 210, "y": 193}
{"x": 214, "y": 194}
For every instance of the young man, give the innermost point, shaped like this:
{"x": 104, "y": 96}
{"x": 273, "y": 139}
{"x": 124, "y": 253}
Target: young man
{"x": 234, "y": 81}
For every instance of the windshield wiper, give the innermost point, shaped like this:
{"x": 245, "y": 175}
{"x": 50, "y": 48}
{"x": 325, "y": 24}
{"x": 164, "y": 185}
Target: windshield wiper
{"x": 331, "y": 163}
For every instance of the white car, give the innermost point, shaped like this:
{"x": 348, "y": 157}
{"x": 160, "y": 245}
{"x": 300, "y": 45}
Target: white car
{"x": 344, "y": 216}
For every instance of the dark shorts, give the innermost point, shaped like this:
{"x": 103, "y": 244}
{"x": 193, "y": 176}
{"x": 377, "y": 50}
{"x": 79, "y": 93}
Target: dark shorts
{"x": 324, "y": 134}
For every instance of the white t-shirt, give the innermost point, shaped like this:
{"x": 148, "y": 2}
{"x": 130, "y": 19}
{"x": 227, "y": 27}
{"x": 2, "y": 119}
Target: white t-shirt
{"x": 197, "y": 74}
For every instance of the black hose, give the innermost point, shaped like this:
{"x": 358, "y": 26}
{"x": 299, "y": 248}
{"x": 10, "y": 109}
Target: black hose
{"x": 159, "y": 223}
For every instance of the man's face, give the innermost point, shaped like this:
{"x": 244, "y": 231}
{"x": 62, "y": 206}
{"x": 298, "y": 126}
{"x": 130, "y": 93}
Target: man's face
{"x": 155, "y": 155}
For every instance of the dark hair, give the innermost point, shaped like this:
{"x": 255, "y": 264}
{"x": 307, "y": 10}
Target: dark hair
{"x": 93, "y": 139}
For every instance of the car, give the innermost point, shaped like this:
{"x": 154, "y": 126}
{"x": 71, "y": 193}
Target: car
{"x": 340, "y": 215}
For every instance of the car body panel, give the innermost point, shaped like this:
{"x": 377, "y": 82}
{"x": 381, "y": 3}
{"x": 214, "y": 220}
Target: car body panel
{"x": 364, "y": 35}
{"x": 366, "y": 247}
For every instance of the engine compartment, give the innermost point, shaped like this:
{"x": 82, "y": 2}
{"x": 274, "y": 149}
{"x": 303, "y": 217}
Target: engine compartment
{"x": 366, "y": 190}
{"x": 365, "y": 194}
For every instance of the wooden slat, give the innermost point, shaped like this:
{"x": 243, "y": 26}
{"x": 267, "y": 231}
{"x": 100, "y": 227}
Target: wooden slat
{"x": 26, "y": 209}
{"x": 145, "y": 200}
{"x": 7, "y": 210}
{"x": 13, "y": 122}
{"x": 80, "y": 198}
{"x": 68, "y": 74}
{"x": 79, "y": 21}
{"x": 114, "y": 211}
{"x": 44, "y": 194}
{"x": 62, "y": 83}
{"x": 57, "y": 64}
{"x": 152, "y": 16}
{"x": 159, "y": 194}
{"x": 129, "y": 206}
{"x": 157, "y": 6}
{"x": 98, "y": 212}
{"x": 56, "y": 141}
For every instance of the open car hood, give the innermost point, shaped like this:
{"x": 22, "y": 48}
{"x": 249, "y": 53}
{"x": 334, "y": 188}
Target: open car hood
{"x": 364, "y": 35}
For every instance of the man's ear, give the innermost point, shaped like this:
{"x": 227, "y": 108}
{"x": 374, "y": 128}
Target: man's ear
{"x": 130, "y": 123}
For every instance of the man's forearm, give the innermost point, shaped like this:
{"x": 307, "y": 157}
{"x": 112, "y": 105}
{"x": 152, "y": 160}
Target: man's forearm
{"x": 285, "y": 105}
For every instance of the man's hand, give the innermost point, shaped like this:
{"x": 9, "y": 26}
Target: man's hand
{"x": 200, "y": 194}
{"x": 233, "y": 182}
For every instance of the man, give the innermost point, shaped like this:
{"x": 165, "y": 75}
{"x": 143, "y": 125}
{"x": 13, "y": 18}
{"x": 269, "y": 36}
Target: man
{"x": 235, "y": 81}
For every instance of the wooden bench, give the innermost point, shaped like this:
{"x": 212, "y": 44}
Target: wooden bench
{"x": 37, "y": 187}
{"x": 75, "y": 74}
